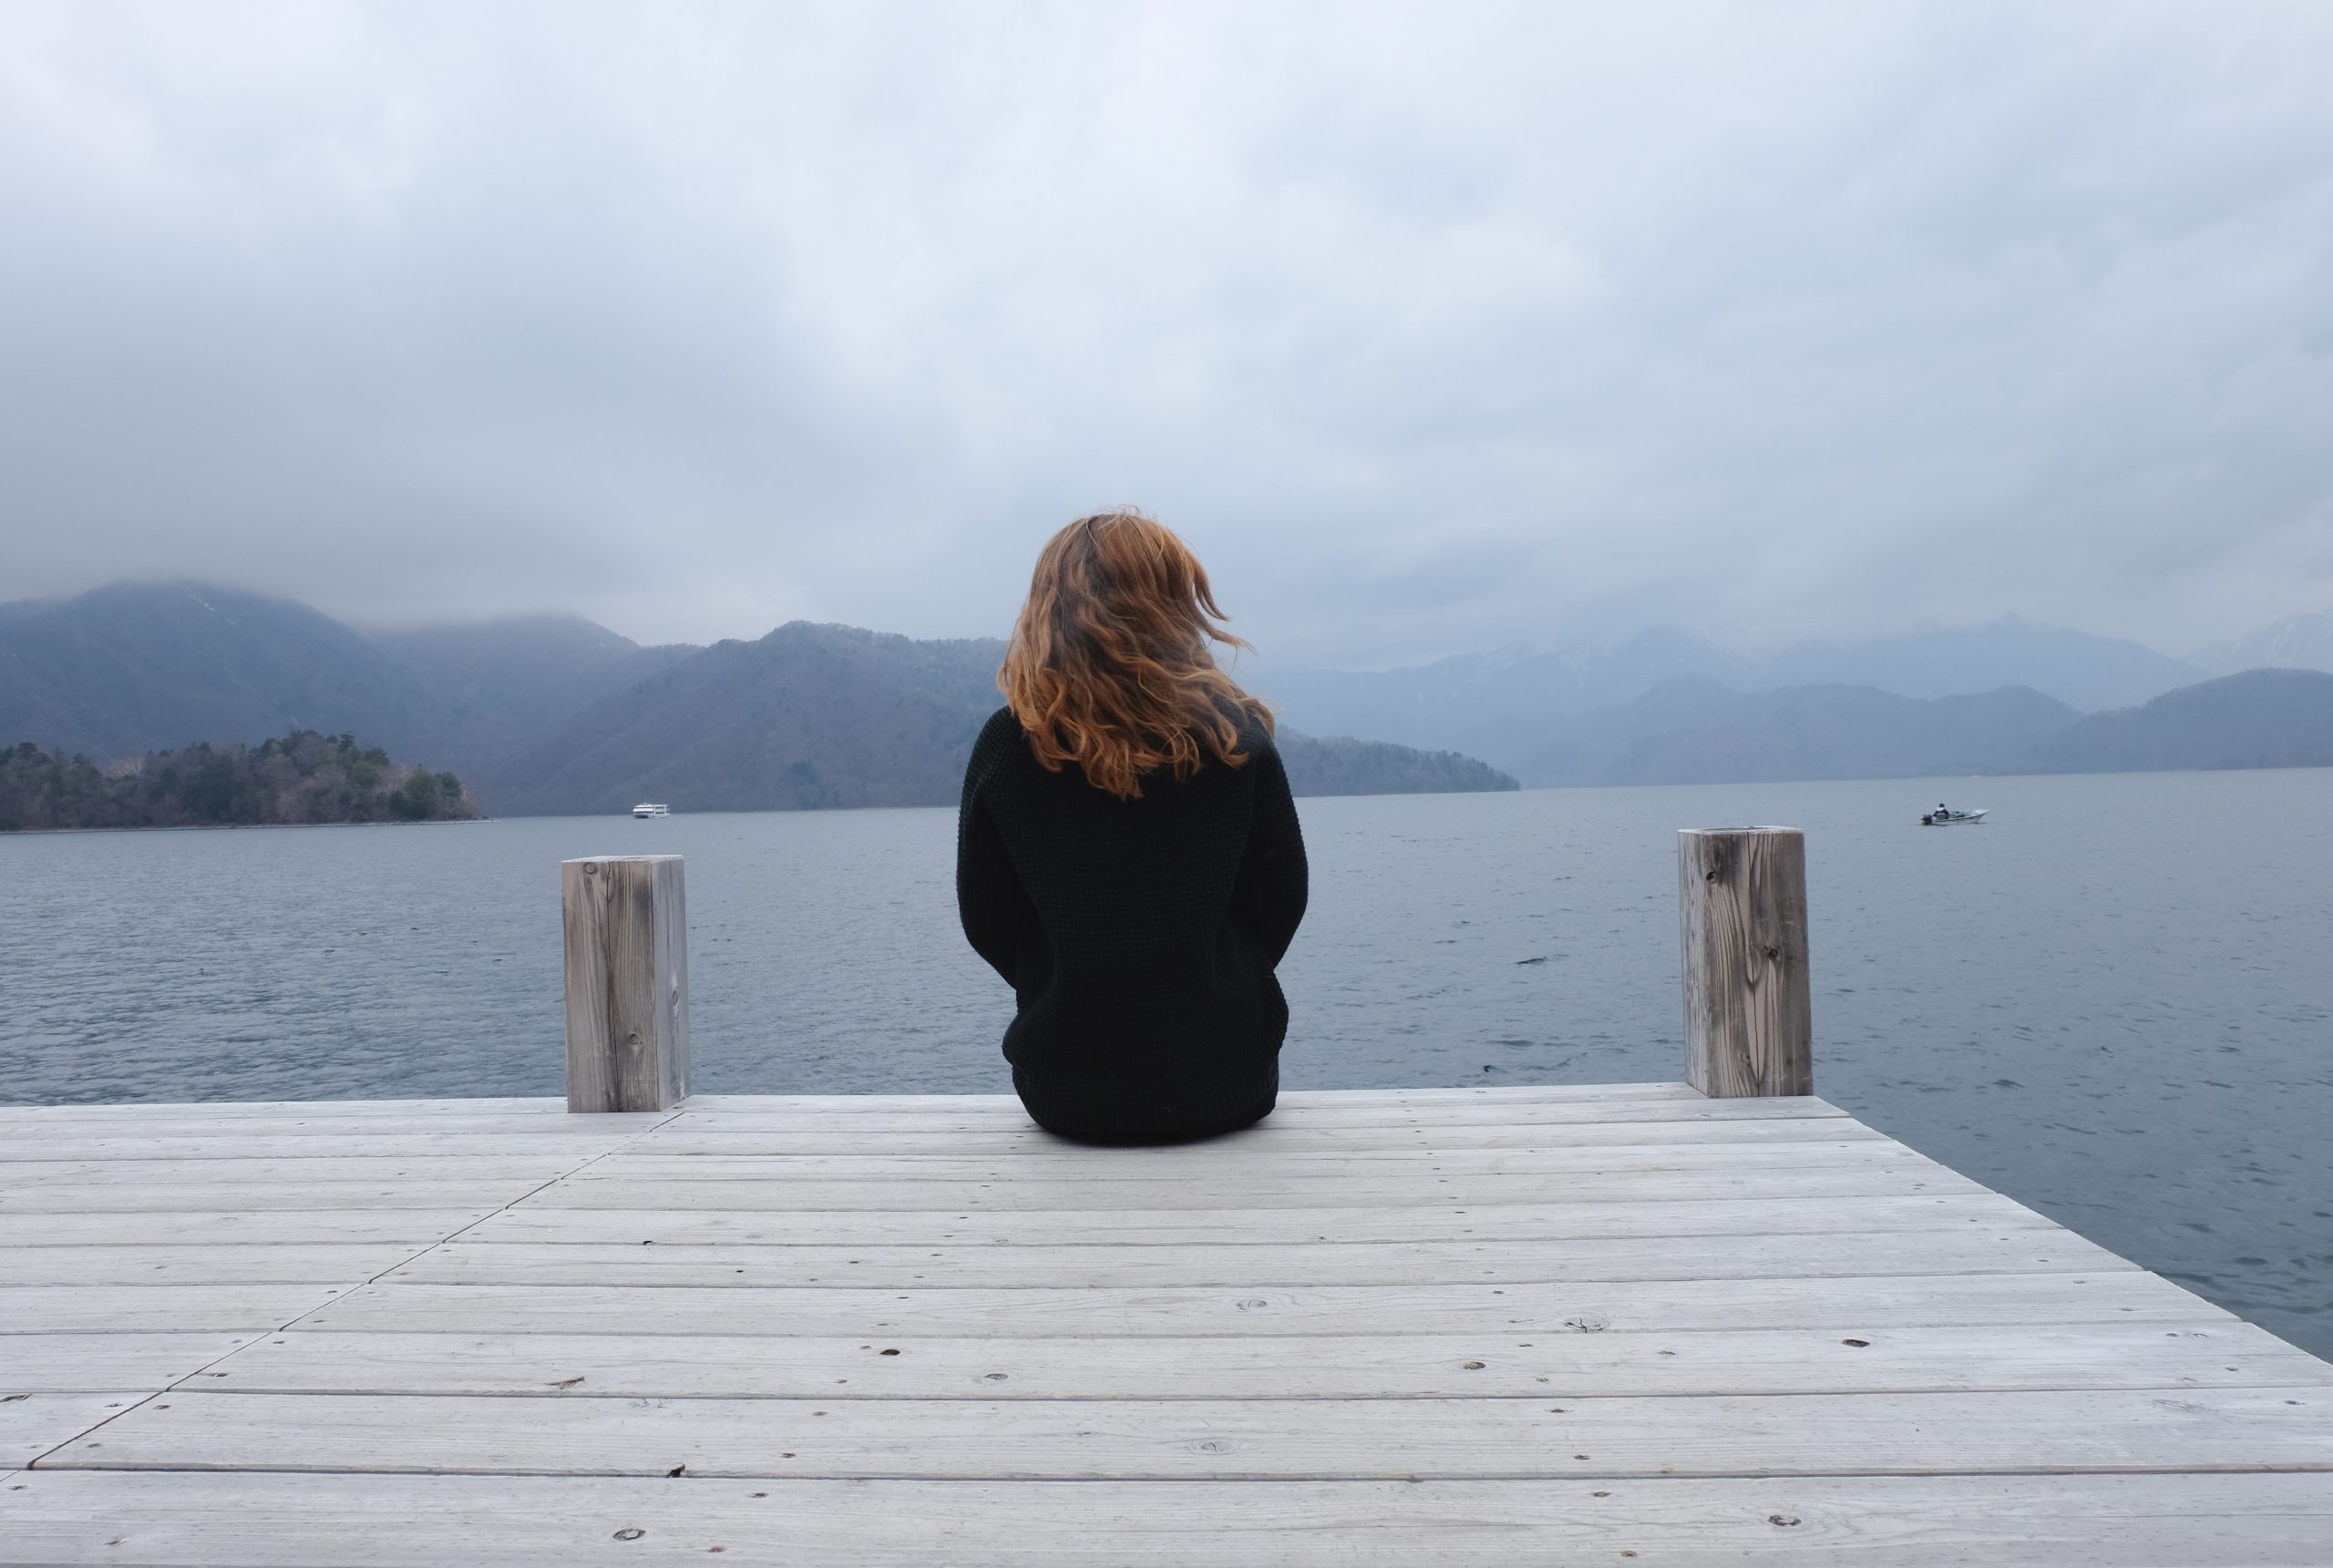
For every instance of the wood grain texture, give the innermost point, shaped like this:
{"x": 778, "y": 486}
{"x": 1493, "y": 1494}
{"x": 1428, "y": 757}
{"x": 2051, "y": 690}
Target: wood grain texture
{"x": 201, "y": 1263}
{"x": 1741, "y": 914}
{"x": 169, "y": 1227}
{"x": 1420, "y": 1166}
{"x": 32, "y": 1423}
{"x": 1884, "y": 1170}
{"x": 2019, "y": 1251}
{"x": 156, "y": 1309}
{"x": 95, "y": 1362}
{"x": 1051, "y": 1311}
{"x": 275, "y": 1520}
{"x": 1285, "y": 1138}
{"x": 1918, "y": 1358}
{"x": 626, "y": 946}
{"x": 1514, "y": 1225}
{"x": 2023, "y": 1432}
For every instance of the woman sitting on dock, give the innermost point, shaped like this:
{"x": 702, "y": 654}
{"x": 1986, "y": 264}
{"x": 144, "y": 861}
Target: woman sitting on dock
{"x": 1127, "y": 854}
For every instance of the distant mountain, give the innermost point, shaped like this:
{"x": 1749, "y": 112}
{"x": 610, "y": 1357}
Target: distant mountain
{"x": 518, "y": 675}
{"x": 557, "y": 714}
{"x": 2295, "y": 642}
{"x": 151, "y": 667}
{"x": 809, "y": 716}
{"x": 553, "y": 713}
{"x": 1513, "y": 706}
{"x": 1483, "y": 702}
{"x": 2089, "y": 672}
{"x": 814, "y": 716}
{"x": 1695, "y": 730}
{"x": 2260, "y": 719}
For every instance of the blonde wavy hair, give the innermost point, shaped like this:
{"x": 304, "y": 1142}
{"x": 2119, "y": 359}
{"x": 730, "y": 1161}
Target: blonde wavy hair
{"x": 1109, "y": 667}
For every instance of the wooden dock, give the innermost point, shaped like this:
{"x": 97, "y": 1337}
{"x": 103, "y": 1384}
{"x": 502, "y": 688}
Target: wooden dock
{"x": 1450, "y": 1327}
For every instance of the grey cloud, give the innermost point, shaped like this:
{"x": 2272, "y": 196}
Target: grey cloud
{"x": 1435, "y": 329}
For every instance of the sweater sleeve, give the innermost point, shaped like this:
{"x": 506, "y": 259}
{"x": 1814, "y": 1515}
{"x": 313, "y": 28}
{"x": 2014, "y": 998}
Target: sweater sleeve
{"x": 1272, "y": 884}
{"x": 990, "y": 899}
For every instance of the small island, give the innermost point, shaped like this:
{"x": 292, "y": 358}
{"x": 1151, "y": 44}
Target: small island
{"x": 305, "y": 778}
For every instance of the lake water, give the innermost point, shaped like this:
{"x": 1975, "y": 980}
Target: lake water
{"x": 2112, "y": 1001}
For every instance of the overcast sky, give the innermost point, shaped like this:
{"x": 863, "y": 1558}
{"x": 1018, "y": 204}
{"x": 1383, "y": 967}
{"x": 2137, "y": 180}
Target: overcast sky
{"x": 1433, "y": 326}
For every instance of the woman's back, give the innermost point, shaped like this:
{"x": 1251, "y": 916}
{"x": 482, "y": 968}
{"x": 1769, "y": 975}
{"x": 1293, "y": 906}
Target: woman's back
{"x": 1128, "y": 856}
{"x": 1139, "y": 936}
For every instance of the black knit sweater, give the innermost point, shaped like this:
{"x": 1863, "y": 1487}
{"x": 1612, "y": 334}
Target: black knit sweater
{"x": 1139, "y": 936}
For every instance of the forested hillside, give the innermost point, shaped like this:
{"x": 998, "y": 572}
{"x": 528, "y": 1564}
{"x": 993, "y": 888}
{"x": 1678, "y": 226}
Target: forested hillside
{"x": 2260, "y": 719}
{"x": 1339, "y": 765}
{"x": 302, "y": 778}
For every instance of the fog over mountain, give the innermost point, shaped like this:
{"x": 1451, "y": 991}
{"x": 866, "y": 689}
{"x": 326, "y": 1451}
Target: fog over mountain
{"x": 1530, "y": 710}
{"x": 2295, "y": 642}
{"x": 557, "y": 714}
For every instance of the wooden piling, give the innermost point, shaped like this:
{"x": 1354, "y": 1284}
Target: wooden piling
{"x": 1742, "y": 913}
{"x": 626, "y": 920}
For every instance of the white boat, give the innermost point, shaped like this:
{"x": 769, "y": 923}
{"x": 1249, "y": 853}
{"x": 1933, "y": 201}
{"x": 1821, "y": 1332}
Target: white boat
{"x": 1943, "y": 816}
{"x": 650, "y": 808}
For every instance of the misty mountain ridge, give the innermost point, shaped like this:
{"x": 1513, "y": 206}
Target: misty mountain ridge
{"x": 1494, "y": 704}
{"x": 816, "y": 716}
{"x": 525, "y": 672}
{"x": 1693, "y": 730}
{"x": 557, "y": 713}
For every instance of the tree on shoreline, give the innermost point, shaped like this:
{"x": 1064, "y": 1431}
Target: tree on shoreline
{"x": 305, "y": 777}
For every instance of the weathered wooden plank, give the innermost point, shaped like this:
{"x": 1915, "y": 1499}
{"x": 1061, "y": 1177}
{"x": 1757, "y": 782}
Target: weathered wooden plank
{"x": 518, "y": 1172}
{"x": 118, "y": 1148}
{"x": 2202, "y": 1353}
{"x": 1664, "y": 1305}
{"x": 1456, "y": 1115}
{"x": 1286, "y": 1140}
{"x": 201, "y": 1263}
{"x": 953, "y": 1104}
{"x": 178, "y": 1520}
{"x": 1898, "y": 1172}
{"x": 1511, "y": 1223}
{"x": 210, "y": 1196}
{"x": 1071, "y": 1163}
{"x": 394, "y": 1111}
{"x": 79, "y": 1363}
{"x": 2020, "y": 1251}
{"x": 285, "y": 1226}
{"x": 32, "y": 1425}
{"x": 511, "y": 1129}
{"x": 2023, "y": 1432}
{"x": 1741, "y": 914}
{"x": 156, "y": 1309}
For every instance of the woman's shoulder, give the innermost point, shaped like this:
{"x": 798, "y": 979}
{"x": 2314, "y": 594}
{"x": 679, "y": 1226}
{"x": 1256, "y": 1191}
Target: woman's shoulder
{"x": 994, "y": 746}
{"x": 1256, "y": 732}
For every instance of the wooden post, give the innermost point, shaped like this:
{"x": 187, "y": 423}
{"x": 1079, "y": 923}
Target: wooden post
{"x": 1741, "y": 908}
{"x": 627, "y": 982}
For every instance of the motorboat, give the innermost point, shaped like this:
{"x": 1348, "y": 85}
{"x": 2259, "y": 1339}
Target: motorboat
{"x": 1943, "y": 816}
{"x": 646, "y": 809}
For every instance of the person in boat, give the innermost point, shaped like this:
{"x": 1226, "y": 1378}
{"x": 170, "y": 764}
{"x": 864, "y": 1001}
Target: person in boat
{"x": 1941, "y": 813}
{"x": 1127, "y": 852}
